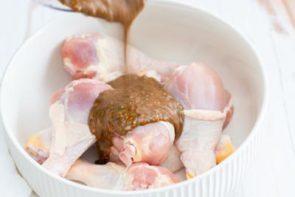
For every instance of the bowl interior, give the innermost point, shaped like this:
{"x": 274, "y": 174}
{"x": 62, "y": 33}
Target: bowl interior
{"x": 162, "y": 31}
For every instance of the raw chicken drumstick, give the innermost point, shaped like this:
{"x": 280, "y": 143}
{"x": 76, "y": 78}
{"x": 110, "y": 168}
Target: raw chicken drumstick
{"x": 138, "y": 176}
{"x": 70, "y": 135}
{"x": 173, "y": 162}
{"x": 200, "y": 90}
{"x": 148, "y": 143}
{"x": 102, "y": 57}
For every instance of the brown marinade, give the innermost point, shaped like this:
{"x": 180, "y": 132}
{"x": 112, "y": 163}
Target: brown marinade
{"x": 122, "y": 11}
{"x": 134, "y": 101}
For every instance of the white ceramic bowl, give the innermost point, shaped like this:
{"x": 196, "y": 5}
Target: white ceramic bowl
{"x": 164, "y": 30}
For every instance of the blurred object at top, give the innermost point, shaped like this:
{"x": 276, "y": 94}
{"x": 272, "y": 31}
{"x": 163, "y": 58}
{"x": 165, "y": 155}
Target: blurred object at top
{"x": 278, "y": 11}
{"x": 53, "y": 4}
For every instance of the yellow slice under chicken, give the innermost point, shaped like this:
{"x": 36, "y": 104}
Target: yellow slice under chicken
{"x": 38, "y": 145}
{"x": 224, "y": 148}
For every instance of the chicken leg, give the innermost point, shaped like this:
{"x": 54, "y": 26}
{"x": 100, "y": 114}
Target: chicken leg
{"x": 200, "y": 90}
{"x": 138, "y": 176}
{"x": 149, "y": 143}
{"x": 71, "y": 136}
{"x": 102, "y": 57}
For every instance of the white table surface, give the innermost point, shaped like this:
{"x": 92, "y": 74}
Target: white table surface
{"x": 274, "y": 171}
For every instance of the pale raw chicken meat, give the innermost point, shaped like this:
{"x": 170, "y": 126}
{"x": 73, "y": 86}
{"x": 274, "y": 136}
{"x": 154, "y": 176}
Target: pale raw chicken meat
{"x": 200, "y": 90}
{"x": 138, "y": 176}
{"x": 80, "y": 55}
{"x": 223, "y": 149}
{"x": 180, "y": 174}
{"x": 149, "y": 143}
{"x": 197, "y": 86}
{"x": 173, "y": 162}
{"x": 69, "y": 111}
{"x": 102, "y": 57}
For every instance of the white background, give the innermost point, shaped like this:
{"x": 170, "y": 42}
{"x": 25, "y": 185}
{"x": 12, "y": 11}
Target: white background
{"x": 274, "y": 171}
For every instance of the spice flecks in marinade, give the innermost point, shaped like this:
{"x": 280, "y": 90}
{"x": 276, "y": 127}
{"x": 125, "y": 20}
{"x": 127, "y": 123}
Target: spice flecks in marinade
{"x": 133, "y": 102}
